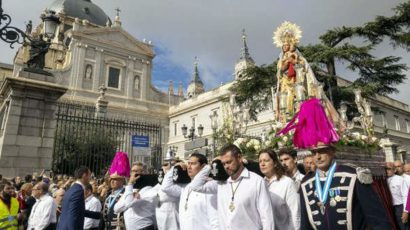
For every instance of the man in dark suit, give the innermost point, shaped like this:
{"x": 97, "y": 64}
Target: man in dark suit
{"x": 73, "y": 209}
{"x": 339, "y": 197}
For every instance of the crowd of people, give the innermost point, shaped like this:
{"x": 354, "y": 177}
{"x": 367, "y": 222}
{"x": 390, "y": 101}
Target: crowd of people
{"x": 276, "y": 196}
{"x": 229, "y": 193}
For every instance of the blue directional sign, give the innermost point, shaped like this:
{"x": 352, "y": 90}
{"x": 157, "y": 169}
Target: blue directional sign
{"x": 140, "y": 141}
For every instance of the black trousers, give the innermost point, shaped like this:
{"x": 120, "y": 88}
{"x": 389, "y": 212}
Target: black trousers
{"x": 398, "y": 211}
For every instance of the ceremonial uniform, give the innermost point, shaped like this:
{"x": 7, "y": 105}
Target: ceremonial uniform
{"x": 113, "y": 221}
{"x": 351, "y": 202}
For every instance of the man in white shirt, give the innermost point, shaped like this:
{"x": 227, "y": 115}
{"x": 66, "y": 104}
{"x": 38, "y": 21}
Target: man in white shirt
{"x": 91, "y": 204}
{"x": 288, "y": 158}
{"x": 197, "y": 211}
{"x": 243, "y": 200}
{"x": 398, "y": 166}
{"x": 405, "y": 191}
{"x": 399, "y": 199}
{"x": 138, "y": 206}
{"x": 43, "y": 214}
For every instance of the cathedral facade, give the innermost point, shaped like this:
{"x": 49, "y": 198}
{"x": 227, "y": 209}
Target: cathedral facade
{"x": 91, "y": 56}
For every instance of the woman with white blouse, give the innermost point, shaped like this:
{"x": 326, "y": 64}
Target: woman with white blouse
{"x": 280, "y": 185}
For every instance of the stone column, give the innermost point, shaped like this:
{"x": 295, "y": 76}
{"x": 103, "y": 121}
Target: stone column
{"x": 101, "y": 105}
{"x": 28, "y": 123}
{"x": 389, "y": 149}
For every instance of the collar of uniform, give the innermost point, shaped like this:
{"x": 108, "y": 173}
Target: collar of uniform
{"x": 244, "y": 173}
{"x": 323, "y": 174}
{"x": 79, "y": 182}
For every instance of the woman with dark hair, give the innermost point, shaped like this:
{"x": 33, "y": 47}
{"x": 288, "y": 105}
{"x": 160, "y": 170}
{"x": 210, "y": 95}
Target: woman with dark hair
{"x": 279, "y": 184}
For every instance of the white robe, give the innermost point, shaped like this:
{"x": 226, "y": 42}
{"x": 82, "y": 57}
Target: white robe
{"x": 166, "y": 210}
{"x": 252, "y": 203}
{"x": 201, "y": 212}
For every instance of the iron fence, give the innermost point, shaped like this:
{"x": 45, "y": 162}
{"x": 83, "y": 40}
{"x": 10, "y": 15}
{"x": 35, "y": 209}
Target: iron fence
{"x": 84, "y": 139}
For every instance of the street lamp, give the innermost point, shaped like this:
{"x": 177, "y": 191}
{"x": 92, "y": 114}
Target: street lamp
{"x": 38, "y": 45}
{"x": 50, "y": 22}
{"x": 200, "y": 130}
{"x": 10, "y": 34}
{"x": 191, "y": 134}
{"x": 214, "y": 126}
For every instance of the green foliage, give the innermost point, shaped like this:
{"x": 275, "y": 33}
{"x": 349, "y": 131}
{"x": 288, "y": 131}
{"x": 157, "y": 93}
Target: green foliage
{"x": 254, "y": 86}
{"x": 376, "y": 75}
{"x": 95, "y": 152}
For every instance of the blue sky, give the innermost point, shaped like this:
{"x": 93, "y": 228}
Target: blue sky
{"x": 211, "y": 30}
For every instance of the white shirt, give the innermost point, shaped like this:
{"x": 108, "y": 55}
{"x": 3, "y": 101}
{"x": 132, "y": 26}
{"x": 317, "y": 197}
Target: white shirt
{"x": 43, "y": 213}
{"x": 297, "y": 177}
{"x": 286, "y": 189}
{"x": 252, "y": 203}
{"x": 166, "y": 209}
{"x": 395, "y": 183}
{"x": 200, "y": 213}
{"x": 281, "y": 213}
{"x": 137, "y": 212}
{"x": 92, "y": 204}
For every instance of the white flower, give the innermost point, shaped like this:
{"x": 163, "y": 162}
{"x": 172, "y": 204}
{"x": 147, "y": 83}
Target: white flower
{"x": 285, "y": 138}
{"x": 257, "y": 147}
{"x": 356, "y": 135}
{"x": 248, "y": 145}
{"x": 363, "y": 137}
{"x": 268, "y": 142}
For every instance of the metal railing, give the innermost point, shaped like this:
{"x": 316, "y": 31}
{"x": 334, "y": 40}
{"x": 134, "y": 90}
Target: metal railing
{"x": 84, "y": 139}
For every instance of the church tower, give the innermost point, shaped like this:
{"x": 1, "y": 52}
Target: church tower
{"x": 196, "y": 86}
{"x": 245, "y": 60}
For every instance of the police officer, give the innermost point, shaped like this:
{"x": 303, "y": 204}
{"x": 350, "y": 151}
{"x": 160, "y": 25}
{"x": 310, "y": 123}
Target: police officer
{"x": 9, "y": 207}
{"x": 336, "y": 196}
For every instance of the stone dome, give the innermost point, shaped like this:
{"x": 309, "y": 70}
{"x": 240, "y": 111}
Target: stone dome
{"x": 82, "y": 9}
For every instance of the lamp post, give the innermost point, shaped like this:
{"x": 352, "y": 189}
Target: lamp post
{"x": 214, "y": 126}
{"x": 191, "y": 136}
{"x": 10, "y": 34}
{"x": 196, "y": 141}
{"x": 38, "y": 46}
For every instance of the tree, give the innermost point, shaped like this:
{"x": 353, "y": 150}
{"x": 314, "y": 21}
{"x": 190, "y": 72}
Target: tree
{"x": 376, "y": 75}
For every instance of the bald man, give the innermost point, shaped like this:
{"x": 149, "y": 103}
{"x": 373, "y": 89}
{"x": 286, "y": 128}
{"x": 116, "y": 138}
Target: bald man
{"x": 398, "y": 166}
{"x": 58, "y": 199}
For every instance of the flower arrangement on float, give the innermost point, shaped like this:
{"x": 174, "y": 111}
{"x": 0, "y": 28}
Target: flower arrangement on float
{"x": 248, "y": 146}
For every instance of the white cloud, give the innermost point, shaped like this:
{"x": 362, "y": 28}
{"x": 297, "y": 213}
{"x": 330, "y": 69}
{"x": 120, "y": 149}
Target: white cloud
{"x": 211, "y": 29}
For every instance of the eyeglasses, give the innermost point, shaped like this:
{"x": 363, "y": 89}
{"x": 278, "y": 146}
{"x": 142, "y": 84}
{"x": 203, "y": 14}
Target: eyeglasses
{"x": 388, "y": 168}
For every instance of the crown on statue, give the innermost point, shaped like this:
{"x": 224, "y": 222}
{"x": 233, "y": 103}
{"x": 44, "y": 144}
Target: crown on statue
{"x": 287, "y": 33}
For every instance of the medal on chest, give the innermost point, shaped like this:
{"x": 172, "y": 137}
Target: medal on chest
{"x": 232, "y": 204}
{"x": 323, "y": 193}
